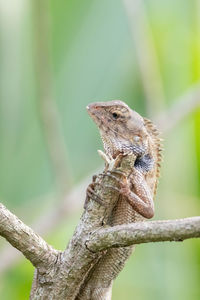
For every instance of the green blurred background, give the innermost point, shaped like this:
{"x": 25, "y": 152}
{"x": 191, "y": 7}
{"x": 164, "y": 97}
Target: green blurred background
{"x": 55, "y": 58}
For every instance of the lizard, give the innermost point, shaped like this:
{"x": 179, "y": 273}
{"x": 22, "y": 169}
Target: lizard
{"x": 123, "y": 132}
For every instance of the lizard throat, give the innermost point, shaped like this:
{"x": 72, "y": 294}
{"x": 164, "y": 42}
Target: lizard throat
{"x": 113, "y": 146}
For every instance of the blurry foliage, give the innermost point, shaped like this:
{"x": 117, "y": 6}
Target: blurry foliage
{"x": 93, "y": 59}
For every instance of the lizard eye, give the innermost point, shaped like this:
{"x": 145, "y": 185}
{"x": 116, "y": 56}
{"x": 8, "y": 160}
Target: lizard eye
{"x": 115, "y": 115}
{"x": 136, "y": 138}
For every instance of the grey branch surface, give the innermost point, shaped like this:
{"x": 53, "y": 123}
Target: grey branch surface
{"x": 60, "y": 274}
{"x": 26, "y": 240}
{"x": 144, "y": 232}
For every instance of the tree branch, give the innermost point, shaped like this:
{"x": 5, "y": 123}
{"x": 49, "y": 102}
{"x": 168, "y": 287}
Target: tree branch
{"x": 50, "y": 220}
{"x": 25, "y": 240}
{"x": 144, "y": 232}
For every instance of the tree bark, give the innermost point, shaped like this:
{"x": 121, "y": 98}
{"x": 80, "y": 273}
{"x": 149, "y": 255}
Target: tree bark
{"x": 59, "y": 275}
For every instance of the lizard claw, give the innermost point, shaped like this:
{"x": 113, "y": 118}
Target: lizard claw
{"x": 124, "y": 186}
{"x": 110, "y": 173}
{"x": 124, "y": 189}
{"x": 90, "y": 193}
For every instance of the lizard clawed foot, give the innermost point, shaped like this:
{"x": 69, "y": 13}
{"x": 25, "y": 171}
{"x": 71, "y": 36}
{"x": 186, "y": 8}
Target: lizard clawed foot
{"x": 111, "y": 174}
{"x": 90, "y": 193}
{"x": 109, "y": 186}
{"x": 124, "y": 188}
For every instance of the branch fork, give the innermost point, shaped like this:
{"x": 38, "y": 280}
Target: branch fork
{"x": 59, "y": 274}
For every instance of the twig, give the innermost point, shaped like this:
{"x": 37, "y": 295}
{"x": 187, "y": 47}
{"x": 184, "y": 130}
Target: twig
{"x": 26, "y": 240}
{"x": 144, "y": 232}
{"x": 146, "y": 55}
{"x": 75, "y": 262}
{"x": 71, "y": 203}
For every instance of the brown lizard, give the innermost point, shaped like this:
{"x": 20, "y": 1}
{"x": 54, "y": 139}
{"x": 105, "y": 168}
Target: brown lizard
{"x": 123, "y": 132}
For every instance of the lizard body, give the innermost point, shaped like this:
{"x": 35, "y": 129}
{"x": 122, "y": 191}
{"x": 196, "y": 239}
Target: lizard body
{"x": 123, "y": 131}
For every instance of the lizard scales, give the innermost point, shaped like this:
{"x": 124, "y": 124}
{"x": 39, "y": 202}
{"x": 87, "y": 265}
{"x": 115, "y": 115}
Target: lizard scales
{"x": 124, "y": 131}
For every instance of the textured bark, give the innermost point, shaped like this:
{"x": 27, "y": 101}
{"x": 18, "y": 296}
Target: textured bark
{"x": 25, "y": 240}
{"x": 73, "y": 265}
{"x": 144, "y": 232}
{"x": 98, "y": 284}
{"x": 59, "y": 275}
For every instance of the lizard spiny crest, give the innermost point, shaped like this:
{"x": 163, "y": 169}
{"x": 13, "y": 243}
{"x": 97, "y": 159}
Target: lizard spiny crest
{"x": 156, "y": 148}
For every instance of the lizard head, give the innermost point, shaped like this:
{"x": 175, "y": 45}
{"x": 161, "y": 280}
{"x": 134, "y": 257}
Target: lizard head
{"x": 121, "y": 128}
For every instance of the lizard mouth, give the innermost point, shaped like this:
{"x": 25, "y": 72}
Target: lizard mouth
{"x": 91, "y": 110}
{"x": 93, "y": 113}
